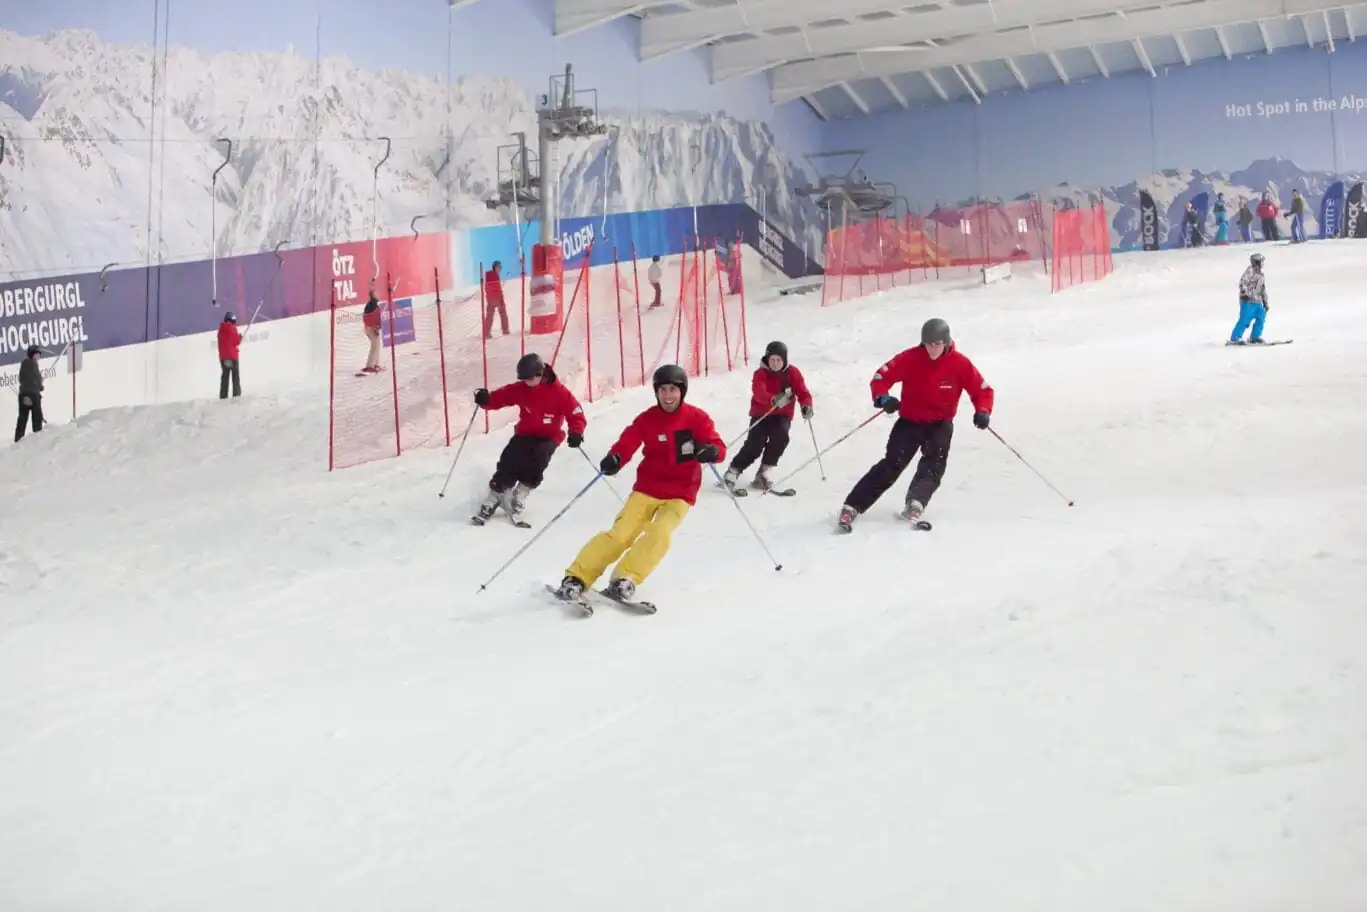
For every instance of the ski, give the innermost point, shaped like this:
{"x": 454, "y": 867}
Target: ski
{"x": 741, "y": 492}
{"x": 920, "y": 525}
{"x": 478, "y": 520}
{"x": 783, "y": 492}
{"x": 1258, "y": 344}
{"x": 581, "y": 603}
{"x": 639, "y": 607}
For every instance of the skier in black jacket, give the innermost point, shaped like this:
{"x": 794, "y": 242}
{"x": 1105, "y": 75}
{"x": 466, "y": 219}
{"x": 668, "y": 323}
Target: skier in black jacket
{"x": 30, "y": 393}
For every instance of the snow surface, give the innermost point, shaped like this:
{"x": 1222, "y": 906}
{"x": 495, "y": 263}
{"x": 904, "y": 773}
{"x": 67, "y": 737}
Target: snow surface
{"x": 229, "y": 680}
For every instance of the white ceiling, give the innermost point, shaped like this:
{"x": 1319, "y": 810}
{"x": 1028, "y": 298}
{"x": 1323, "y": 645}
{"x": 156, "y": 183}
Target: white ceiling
{"x": 851, "y": 58}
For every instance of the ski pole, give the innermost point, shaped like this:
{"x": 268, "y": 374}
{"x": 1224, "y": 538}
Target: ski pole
{"x": 821, "y": 452}
{"x": 816, "y": 447}
{"x": 442, "y": 492}
{"x": 732, "y": 444}
{"x": 594, "y": 465}
{"x": 542, "y": 531}
{"x": 753, "y": 531}
{"x": 1029, "y": 466}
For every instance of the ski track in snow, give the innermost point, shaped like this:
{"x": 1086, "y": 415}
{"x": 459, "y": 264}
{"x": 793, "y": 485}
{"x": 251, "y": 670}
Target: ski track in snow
{"x": 230, "y": 680}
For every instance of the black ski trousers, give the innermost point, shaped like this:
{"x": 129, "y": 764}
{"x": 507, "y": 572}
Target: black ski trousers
{"x": 932, "y": 439}
{"x": 30, "y": 407}
{"x": 524, "y": 460}
{"x": 768, "y": 438}
{"x": 230, "y": 372}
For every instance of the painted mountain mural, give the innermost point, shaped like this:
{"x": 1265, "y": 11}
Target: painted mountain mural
{"x": 1171, "y": 189}
{"x": 99, "y": 171}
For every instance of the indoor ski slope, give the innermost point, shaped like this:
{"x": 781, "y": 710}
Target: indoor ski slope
{"x": 230, "y": 681}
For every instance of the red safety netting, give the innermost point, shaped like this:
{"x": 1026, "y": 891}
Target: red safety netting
{"x": 880, "y": 253}
{"x": 437, "y": 347}
{"x": 1082, "y": 247}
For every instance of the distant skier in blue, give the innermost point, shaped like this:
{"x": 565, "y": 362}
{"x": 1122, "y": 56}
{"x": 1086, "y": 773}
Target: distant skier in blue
{"x": 1252, "y": 303}
{"x": 1221, "y": 220}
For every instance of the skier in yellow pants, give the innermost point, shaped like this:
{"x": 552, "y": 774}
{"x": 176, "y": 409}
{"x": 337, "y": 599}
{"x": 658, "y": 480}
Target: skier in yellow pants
{"x": 675, "y": 440}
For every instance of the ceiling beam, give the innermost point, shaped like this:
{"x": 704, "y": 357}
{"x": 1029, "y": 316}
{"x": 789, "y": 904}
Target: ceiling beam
{"x": 854, "y": 96}
{"x": 734, "y": 59}
{"x": 1144, "y": 56}
{"x": 1016, "y": 71}
{"x": 962, "y": 78}
{"x": 1058, "y": 67}
{"x": 1224, "y": 43}
{"x": 1182, "y": 48}
{"x": 1329, "y": 30}
{"x": 896, "y": 92}
{"x": 1267, "y": 39}
{"x": 977, "y": 80}
{"x": 796, "y": 79}
{"x": 663, "y": 34}
{"x": 574, "y": 16}
{"x": 1348, "y": 21}
{"x": 935, "y": 84}
{"x": 1100, "y": 64}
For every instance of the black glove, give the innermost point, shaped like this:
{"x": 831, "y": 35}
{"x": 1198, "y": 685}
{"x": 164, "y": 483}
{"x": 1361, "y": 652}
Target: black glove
{"x": 980, "y": 420}
{"x": 611, "y": 464}
{"x": 705, "y": 453}
{"x": 887, "y": 403}
{"x": 808, "y": 412}
{"x": 575, "y": 440}
{"x": 481, "y": 396}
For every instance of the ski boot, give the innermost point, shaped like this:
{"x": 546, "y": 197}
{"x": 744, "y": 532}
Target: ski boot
{"x": 514, "y": 502}
{"x": 731, "y": 478}
{"x": 912, "y": 511}
{"x": 848, "y": 514}
{"x": 486, "y": 509}
{"x": 571, "y": 589}
{"x": 763, "y": 480}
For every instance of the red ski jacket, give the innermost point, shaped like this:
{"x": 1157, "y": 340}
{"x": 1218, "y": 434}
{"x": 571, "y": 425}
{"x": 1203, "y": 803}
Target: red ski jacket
{"x": 372, "y": 317}
{"x": 229, "y": 341}
{"x": 667, "y": 442}
{"x": 931, "y": 389}
{"x": 493, "y": 288}
{"x": 543, "y": 410}
{"x": 767, "y": 384}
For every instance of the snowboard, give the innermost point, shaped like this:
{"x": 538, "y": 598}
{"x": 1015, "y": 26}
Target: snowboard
{"x": 1259, "y": 344}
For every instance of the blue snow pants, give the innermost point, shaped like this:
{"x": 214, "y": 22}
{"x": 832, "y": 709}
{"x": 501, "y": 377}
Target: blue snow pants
{"x": 1221, "y": 231}
{"x": 1297, "y": 227}
{"x": 1246, "y": 232}
{"x": 1249, "y": 312}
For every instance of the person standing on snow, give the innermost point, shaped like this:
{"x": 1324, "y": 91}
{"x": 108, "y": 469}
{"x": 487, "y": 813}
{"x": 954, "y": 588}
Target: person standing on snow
{"x": 371, "y": 320}
{"x": 1221, "y": 220}
{"x": 545, "y": 406}
{"x": 775, "y": 387}
{"x": 30, "y": 392}
{"x": 933, "y": 376}
{"x": 493, "y": 300}
{"x": 1253, "y": 306}
{"x": 229, "y": 347}
{"x": 1297, "y": 217}
{"x": 675, "y": 440}
{"x": 654, "y": 275}
{"x": 1245, "y": 222}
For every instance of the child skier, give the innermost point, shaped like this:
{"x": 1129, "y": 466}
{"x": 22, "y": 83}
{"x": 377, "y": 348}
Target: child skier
{"x": 675, "y": 439}
{"x": 933, "y": 376}
{"x": 775, "y": 386}
{"x": 1252, "y": 303}
{"x": 545, "y": 405}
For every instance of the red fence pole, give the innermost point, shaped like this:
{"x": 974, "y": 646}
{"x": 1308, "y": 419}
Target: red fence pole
{"x": 640, "y": 339}
{"x": 621, "y": 340}
{"x": 441, "y": 353}
{"x": 484, "y": 339}
{"x": 332, "y": 382}
{"x": 394, "y": 363}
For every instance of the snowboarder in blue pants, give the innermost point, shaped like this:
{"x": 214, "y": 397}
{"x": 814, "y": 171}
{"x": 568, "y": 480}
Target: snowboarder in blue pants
{"x": 1252, "y": 303}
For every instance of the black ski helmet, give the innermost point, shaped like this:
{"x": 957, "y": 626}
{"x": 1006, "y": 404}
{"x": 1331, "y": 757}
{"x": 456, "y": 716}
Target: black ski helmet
{"x": 529, "y": 366}
{"x": 935, "y": 330}
{"x": 670, "y": 375}
{"x": 33, "y": 350}
{"x": 776, "y": 348}
{"x": 229, "y": 317}
{"x": 1256, "y": 261}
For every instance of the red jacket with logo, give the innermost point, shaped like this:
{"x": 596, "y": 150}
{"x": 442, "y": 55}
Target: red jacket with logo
{"x": 229, "y": 341}
{"x": 767, "y": 384}
{"x": 371, "y": 317}
{"x": 543, "y": 410}
{"x": 667, "y": 442}
{"x": 931, "y": 388}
